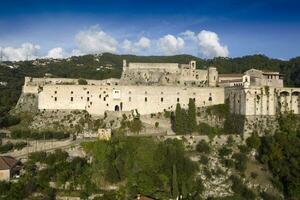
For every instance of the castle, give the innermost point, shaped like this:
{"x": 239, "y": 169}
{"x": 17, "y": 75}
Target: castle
{"x": 155, "y": 87}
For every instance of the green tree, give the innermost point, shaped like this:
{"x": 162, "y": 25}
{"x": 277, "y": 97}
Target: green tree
{"x": 179, "y": 124}
{"x": 175, "y": 192}
{"x": 253, "y": 141}
{"x": 192, "y": 124}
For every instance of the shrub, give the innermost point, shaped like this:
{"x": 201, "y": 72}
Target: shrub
{"x": 82, "y": 81}
{"x": 253, "y": 141}
{"x": 20, "y": 145}
{"x": 240, "y": 161}
{"x": 224, "y": 151}
{"x": 203, "y": 147}
{"x": 204, "y": 159}
{"x": 6, "y": 147}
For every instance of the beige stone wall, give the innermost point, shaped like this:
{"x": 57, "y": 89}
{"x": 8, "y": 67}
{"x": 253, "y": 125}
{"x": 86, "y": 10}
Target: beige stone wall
{"x": 170, "y": 67}
{"x": 4, "y": 175}
{"x": 257, "y": 101}
{"x": 146, "y": 99}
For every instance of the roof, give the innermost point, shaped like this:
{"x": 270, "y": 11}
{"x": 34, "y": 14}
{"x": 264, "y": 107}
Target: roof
{"x": 231, "y": 75}
{"x": 7, "y": 162}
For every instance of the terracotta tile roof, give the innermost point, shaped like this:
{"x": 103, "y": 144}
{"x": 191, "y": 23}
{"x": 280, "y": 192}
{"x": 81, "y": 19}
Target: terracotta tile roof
{"x": 7, "y": 162}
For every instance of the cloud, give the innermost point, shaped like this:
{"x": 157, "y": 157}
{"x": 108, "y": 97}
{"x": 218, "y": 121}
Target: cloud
{"x": 170, "y": 44}
{"x": 94, "y": 40}
{"x": 57, "y": 52}
{"x": 189, "y": 35}
{"x": 210, "y": 46}
{"x": 27, "y": 51}
{"x": 142, "y": 44}
{"x": 208, "y": 43}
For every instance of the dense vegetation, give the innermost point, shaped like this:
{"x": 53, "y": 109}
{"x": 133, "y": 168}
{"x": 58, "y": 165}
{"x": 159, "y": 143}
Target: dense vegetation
{"x": 281, "y": 152}
{"x": 157, "y": 169}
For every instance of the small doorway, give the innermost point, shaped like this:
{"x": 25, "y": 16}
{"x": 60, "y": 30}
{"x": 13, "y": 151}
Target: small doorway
{"x": 117, "y": 108}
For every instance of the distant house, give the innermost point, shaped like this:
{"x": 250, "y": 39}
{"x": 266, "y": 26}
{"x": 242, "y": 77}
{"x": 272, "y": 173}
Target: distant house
{"x": 9, "y": 166}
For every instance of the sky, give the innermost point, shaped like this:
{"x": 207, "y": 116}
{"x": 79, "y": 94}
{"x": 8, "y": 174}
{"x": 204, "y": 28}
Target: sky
{"x": 32, "y": 29}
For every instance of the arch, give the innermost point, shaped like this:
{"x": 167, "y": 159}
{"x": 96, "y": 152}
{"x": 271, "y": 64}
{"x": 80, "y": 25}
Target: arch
{"x": 296, "y": 93}
{"x": 117, "y": 108}
{"x": 284, "y": 93}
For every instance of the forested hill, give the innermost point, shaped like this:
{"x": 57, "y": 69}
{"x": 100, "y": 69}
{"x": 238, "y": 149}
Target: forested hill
{"x": 110, "y": 65}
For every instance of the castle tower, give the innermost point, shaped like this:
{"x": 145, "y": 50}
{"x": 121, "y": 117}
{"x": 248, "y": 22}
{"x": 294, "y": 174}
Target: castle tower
{"x": 124, "y": 65}
{"x": 212, "y": 77}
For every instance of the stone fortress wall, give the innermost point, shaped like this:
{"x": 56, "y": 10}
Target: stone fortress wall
{"x": 155, "y": 87}
{"x": 146, "y": 99}
{"x": 168, "y": 74}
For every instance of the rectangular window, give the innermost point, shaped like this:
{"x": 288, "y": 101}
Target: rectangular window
{"x": 55, "y": 92}
{"x": 88, "y": 98}
{"x": 177, "y": 99}
{"x": 71, "y": 98}
{"x": 55, "y": 98}
{"x": 146, "y": 99}
{"x": 161, "y": 99}
{"x": 129, "y": 99}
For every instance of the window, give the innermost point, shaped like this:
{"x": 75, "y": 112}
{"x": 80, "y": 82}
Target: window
{"x": 100, "y": 96}
{"x": 104, "y": 98}
{"x": 87, "y": 92}
{"x": 146, "y": 99}
{"x": 161, "y": 92}
{"x": 178, "y": 99}
{"x": 71, "y": 92}
{"x": 161, "y": 99}
{"x": 71, "y": 98}
{"x": 129, "y": 99}
{"x": 194, "y": 99}
{"x": 55, "y": 92}
{"x": 145, "y": 92}
{"x": 129, "y": 92}
{"x": 88, "y": 98}
{"x": 91, "y": 103}
{"x": 55, "y": 98}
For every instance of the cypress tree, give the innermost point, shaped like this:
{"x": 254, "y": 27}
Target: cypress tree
{"x": 175, "y": 192}
{"x": 178, "y": 120}
{"x": 192, "y": 124}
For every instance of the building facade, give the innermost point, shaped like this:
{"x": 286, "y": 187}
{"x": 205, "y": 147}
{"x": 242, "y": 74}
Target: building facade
{"x": 155, "y": 87}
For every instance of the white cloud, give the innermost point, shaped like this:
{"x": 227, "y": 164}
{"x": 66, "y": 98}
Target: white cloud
{"x": 189, "y": 35}
{"x": 210, "y": 46}
{"x": 94, "y": 40}
{"x": 57, "y": 52}
{"x": 27, "y": 51}
{"x": 170, "y": 45}
{"x": 142, "y": 44}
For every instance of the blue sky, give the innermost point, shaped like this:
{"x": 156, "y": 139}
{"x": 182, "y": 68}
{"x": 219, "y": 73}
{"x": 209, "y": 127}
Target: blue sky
{"x": 216, "y": 28}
